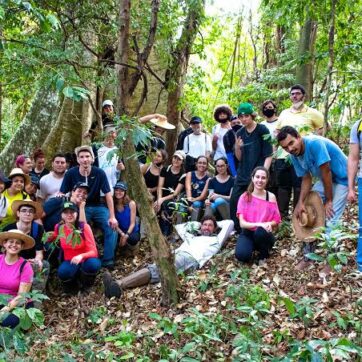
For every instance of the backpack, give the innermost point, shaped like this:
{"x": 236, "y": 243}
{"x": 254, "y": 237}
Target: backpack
{"x": 181, "y": 138}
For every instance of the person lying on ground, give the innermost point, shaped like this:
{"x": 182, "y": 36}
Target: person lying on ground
{"x": 200, "y": 243}
{"x": 259, "y": 216}
{"x": 16, "y": 274}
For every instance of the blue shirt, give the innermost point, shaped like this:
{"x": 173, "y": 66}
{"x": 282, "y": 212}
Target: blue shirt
{"x": 319, "y": 150}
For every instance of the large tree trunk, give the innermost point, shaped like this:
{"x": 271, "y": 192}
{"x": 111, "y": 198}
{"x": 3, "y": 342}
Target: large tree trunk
{"x": 304, "y": 72}
{"x": 160, "y": 249}
{"x": 33, "y": 129}
{"x": 175, "y": 75}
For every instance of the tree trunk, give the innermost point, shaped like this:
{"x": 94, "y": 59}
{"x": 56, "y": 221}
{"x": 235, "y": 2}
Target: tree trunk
{"x": 33, "y": 130}
{"x": 160, "y": 249}
{"x": 175, "y": 75}
{"x": 304, "y": 72}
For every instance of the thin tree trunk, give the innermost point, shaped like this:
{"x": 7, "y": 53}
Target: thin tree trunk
{"x": 160, "y": 249}
{"x": 33, "y": 130}
{"x": 236, "y": 43}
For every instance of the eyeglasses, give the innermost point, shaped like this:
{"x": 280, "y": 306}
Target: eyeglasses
{"x": 27, "y": 211}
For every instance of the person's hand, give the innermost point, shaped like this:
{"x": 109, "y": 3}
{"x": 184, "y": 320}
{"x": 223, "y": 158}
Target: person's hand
{"x": 76, "y": 259}
{"x": 352, "y": 197}
{"x": 191, "y": 199}
{"x": 157, "y": 205}
{"x": 207, "y": 202}
{"x": 81, "y": 204}
{"x": 123, "y": 240}
{"x": 299, "y": 209}
{"x": 113, "y": 223}
{"x": 37, "y": 262}
{"x": 5, "y": 309}
{"x": 239, "y": 142}
{"x": 59, "y": 194}
{"x": 213, "y": 196}
{"x": 120, "y": 166}
{"x": 328, "y": 206}
{"x": 267, "y": 226}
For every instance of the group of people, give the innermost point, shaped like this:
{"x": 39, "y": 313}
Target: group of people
{"x": 240, "y": 178}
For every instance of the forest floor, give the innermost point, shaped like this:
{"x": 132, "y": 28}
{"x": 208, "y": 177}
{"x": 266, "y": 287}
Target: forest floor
{"x": 228, "y": 312}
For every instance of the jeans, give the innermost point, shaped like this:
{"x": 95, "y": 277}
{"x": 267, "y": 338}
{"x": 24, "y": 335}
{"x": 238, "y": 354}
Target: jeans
{"x": 68, "y": 271}
{"x": 198, "y": 204}
{"x": 250, "y": 240}
{"x": 359, "y": 241}
{"x": 339, "y": 202}
{"x": 11, "y": 321}
{"x": 238, "y": 190}
{"x": 219, "y": 201}
{"x": 183, "y": 262}
{"x": 100, "y": 216}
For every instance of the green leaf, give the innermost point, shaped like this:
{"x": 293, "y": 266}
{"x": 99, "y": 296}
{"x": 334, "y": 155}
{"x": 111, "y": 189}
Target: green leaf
{"x": 59, "y": 84}
{"x": 314, "y": 256}
{"x": 53, "y": 20}
{"x": 68, "y": 92}
{"x": 155, "y": 316}
{"x": 289, "y": 304}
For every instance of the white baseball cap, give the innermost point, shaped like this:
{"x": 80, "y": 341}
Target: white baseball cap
{"x": 107, "y": 102}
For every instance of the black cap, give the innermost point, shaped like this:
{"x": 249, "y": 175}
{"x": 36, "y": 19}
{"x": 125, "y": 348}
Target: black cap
{"x": 195, "y": 120}
{"x": 35, "y": 180}
{"x": 121, "y": 186}
{"x": 81, "y": 184}
{"x": 70, "y": 205}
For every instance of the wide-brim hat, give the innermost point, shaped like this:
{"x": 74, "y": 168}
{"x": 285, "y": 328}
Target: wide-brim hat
{"x": 162, "y": 123}
{"x": 19, "y": 172}
{"x": 28, "y": 241}
{"x": 311, "y": 221}
{"x": 15, "y": 206}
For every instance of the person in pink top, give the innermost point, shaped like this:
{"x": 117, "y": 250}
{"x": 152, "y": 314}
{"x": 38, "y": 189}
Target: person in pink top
{"x": 16, "y": 274}
{"x": 259, "y": 216}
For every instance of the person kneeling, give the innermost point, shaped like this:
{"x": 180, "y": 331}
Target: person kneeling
{"x": 259, "y": 216}
{"x": 80, "y": 254}
{"x": 199, "y": 245}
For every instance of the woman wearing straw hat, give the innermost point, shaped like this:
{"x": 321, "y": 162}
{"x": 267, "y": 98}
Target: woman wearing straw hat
{"x": 16, "y": 273}
{"x": 15, "y": 192}
{"x": 259, "y": 216}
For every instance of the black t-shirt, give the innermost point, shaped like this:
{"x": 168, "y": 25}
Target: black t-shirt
{"x": 97, "y": 182}
{"x": 221, "y": 188}
{"x": 254, "y": 152}
{"x": 171, "y": 180}
{"x": 39, "y": 175}
{"x": 36, "y": 233}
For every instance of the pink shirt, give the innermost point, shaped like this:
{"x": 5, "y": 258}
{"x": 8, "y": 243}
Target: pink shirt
{"x": 257, "y": 210}
{"x": 10, "y": 277}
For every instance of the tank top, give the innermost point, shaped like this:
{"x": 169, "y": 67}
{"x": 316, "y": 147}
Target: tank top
{"x": 151, "y": 179}
{"x": 124, "y": 219}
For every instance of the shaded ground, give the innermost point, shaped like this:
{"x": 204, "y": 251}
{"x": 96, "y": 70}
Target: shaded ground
{"x": 228, "y": 312}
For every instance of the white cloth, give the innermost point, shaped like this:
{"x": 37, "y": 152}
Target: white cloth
{"x": 203, "y": 248}
{"x": 109, "y": 164}
{"x": 197, "y": 145}
{"x": 272, "y": 126}
{"x": 220, "y": 149}
{"x": 3, "y": 205}
{"x": 49, "y": 186}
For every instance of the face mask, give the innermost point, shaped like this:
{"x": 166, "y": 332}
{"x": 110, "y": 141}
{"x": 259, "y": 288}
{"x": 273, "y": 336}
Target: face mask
{"x": 268, "y": 112}
{"x": 236, "y": 127}
{"x": 298, "y": 105}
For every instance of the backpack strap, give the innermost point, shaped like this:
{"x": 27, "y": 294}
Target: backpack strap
{"x": 22, "y": 266}
{"x": 359, "y": 130}
{"x": 267, "y": 196}
{"x": 35, "y": 230}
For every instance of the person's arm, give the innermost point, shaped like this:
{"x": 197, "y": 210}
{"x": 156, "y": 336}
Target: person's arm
{"x": 82, "y": 217}
{"x": 227, "y": 227}
{"x": 144, "y": 168}
{"x": 204, "y": 192}
{"x": 353, "y": 159}
{"x": 208, "y": 146}
{"x": 23, "y": 288}
{"x": 90, "y": 246}
{"x": 238, "y": 144}
{"x": 112, "y": 219}
{"x": 267, "y": 162}
{"x": 304, "y": 191}
{"x": 188, "y": 186}
{"x": 326, "y": 177}
{"x": 268, "y": 226}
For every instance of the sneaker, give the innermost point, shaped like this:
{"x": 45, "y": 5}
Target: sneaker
{"x": 111, "y": 287}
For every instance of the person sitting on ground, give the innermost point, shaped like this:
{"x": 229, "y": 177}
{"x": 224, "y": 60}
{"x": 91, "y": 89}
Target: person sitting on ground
{"x": 222, "y": 115}
{"x": 219, "y": 189}
{"x": 196, "y": 144}
{"x": 4, "y": 184}
{"x": 25, "y": 163}
{"x": 32, "y": 187}
{"x": 198, "y": 247}
{"x": 259, "y": 216}
{"x": 26, "y": 212}
{"x": 16, "y": 274}
{"x": 151, "y": 172}
{"x": 195, "y": 185}
{"x": 80, "y": 254}
{"x": 50, "y": 184}
{"x": 169, "y": 187}
{"x": 15, "y": 192}
{"x": 39, "y": 169}
{"x": 125, "y": 211}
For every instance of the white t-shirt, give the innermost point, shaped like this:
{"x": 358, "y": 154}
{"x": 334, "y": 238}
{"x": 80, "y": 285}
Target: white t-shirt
{"x": 272, "y": 126}
{"x": 109, "y": 166}
{"x": 220, "y": 149}
{"x": 197, "y": 145}
{"x": 49, "y": 186}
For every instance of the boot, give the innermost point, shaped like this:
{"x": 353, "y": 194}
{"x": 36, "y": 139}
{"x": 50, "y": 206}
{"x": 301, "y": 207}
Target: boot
{"x": 70, "y": 286}
{"x": 224, "y": 211}
{"x": 111, "y": 287}
{"x": 137, "y": 279}
{"x": 208, "y": 211}
{"x": 87, "y": 280}
{"x": 195, "y": 214}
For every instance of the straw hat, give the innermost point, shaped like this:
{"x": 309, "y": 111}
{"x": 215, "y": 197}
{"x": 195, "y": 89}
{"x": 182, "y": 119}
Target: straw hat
{"x": 36, "y": 205}
{"x": 310, "y": 221}
{"x": 162, "y": 123}
{"x": 19, "y": 172}
{"x": 28, "y": 241}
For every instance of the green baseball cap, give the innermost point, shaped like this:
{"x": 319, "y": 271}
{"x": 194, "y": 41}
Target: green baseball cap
{"x": 245, "y": 108}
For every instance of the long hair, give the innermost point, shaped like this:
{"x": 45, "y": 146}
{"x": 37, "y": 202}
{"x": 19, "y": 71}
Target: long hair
{"x": 124, "y": 201}
{"x": 226, "y": 163}
{"x": 250, "y": 188}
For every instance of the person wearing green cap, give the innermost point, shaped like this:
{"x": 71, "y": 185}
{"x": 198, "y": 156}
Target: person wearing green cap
{"x": 252, "y": 150}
